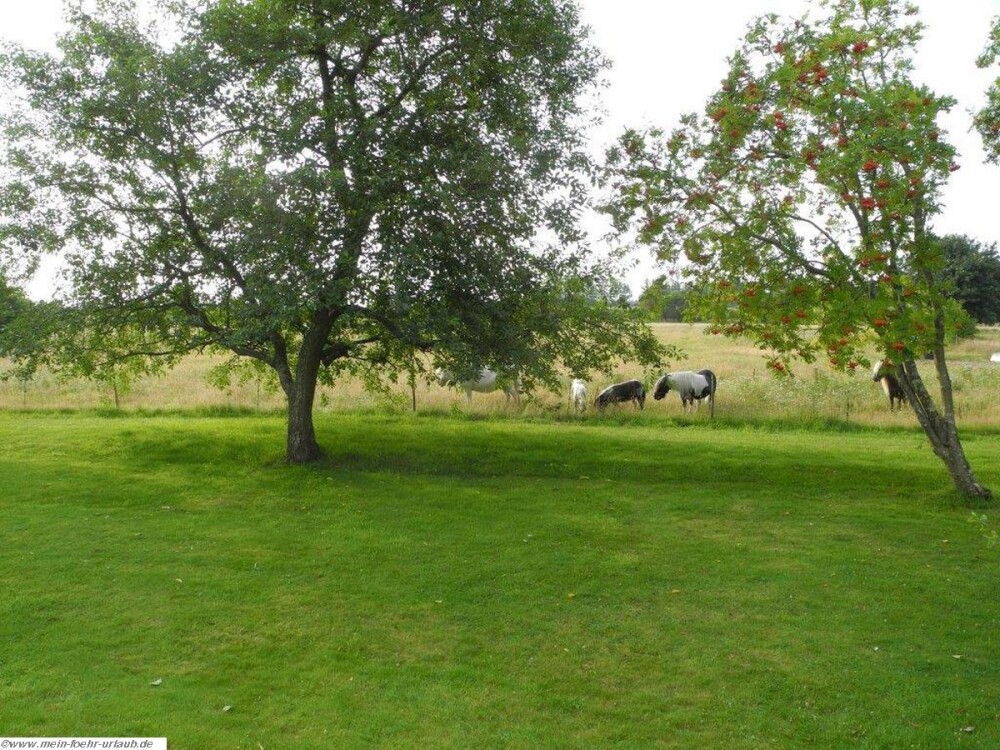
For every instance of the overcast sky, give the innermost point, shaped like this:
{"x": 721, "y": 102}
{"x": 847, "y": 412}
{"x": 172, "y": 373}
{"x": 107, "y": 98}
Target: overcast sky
{"x": 668, "y": 56}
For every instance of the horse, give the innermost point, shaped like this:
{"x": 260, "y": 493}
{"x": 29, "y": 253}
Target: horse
{"x": 630, "y": 390}
{"x": 882, "y": 373}
{"x": 692, "y": 387}
{"x": 578, "y": 394}
{"x": 485, "y": 383}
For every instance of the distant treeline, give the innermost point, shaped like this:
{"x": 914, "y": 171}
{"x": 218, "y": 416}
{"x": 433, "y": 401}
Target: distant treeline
{"x": 970, "y": 274}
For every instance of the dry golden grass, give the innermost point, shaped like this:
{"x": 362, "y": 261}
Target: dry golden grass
{"x": 747, "y": 390}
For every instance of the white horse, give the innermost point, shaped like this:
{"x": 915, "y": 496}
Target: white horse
{"x": 692, "y": 387}
{"x": 485, "y": 383}
{"x": 578, "y": 394}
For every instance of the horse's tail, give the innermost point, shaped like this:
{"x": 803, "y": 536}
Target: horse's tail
{"x": 712, "y": 384}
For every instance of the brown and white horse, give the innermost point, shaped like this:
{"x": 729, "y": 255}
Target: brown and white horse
{"x": 882, "y": 374}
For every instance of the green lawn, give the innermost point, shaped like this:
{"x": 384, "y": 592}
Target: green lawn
{"x": 451, "y": 582}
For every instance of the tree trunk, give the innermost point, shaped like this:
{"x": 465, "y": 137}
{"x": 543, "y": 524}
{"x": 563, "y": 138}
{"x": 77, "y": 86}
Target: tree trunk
{"x": 941, "y": 430}
{"x": 302, "y": 446}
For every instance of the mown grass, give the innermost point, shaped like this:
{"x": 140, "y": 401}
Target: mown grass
{"x": 453, "y": 582}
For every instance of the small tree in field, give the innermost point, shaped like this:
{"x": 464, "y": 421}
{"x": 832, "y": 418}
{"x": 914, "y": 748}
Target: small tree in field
{"x": 987, "y": 120}
{"x": 802, "y": 202}
{"x": 319, "y": 187}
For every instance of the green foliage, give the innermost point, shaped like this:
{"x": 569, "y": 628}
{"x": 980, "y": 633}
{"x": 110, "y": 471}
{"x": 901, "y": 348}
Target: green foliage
{"x": 801, "y": 199}
{"x": 322, "y": 189}
{"x": 972, "y": 272}
{"x": 64, "y": 339}
{"x": 13, "y": 302}
{"x": 243, "y": 371}
{"x": 987, "y": 120}
{"x": 663, "y": 300}
{"x": 27, "y": 326}
{"x": 17, "y": 333}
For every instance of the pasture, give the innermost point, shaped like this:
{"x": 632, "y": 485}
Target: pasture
{"x": 796, "y": 573}
{"x": 747, "y": 391}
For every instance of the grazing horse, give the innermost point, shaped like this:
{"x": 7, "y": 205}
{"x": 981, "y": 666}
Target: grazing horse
{"x": 692, "y": 387}
{"x": 578, "y": 394}
{"x": 630, "y": 390}
{"x": 486, "y": 383}
{"x": 882, "y": 373}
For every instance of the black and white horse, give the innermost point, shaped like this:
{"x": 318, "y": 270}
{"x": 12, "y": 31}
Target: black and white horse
{"x": 691, "y": 386}
{"x": 882, "y": 374}
{"x": 485, "y": 383}
{"x": 630, "y": 390}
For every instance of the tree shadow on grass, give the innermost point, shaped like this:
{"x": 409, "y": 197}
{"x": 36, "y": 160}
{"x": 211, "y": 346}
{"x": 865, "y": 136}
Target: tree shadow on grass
{"x": 672, "y": 458}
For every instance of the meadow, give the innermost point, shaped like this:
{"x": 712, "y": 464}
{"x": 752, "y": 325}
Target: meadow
{"x": 788, "y": 575}
{"x": 747, "y": 390}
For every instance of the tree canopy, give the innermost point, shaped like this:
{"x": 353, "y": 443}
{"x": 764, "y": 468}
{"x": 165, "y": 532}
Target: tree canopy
{"x": 318, "y": 187}
{"x": 800, "y": 203}
{"x": 972, "y": 274}
{"x": 987, "y": 120}
{"x": 662, "y": 299}
{"x": 13, "y": 302}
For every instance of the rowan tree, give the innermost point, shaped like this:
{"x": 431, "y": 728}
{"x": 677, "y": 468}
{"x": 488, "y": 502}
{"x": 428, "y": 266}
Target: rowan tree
{"x": 316, "y": 187}
{"x": 987, "y": 120}
{"x": 801, "y": 202}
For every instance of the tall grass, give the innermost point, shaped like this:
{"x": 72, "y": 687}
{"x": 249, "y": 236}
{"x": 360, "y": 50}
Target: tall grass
{"x": 747, "y": 390}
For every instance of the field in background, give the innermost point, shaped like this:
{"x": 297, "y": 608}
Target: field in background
{"x": 747, "y": 391}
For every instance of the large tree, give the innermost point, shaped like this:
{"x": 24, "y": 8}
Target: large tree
{"x": 319, "y": 186}
{"x": 802, "y": 202}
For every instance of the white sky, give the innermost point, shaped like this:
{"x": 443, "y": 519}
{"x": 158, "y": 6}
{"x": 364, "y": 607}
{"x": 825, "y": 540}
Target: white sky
{"x": 669, "y": 56}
